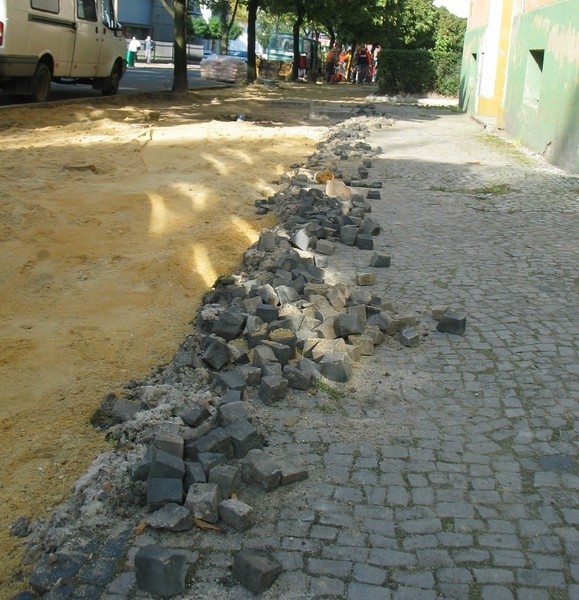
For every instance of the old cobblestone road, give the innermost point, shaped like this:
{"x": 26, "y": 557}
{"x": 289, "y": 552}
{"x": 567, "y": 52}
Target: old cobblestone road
{"x": 454, "y": 475}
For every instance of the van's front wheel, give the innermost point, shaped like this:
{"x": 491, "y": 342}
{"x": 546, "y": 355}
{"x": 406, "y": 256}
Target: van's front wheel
{"x": 41, "y": 83}
{"x": 113, "y": 81}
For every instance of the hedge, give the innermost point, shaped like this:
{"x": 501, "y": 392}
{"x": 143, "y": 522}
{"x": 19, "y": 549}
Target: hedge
{"x": 418, "y": 71}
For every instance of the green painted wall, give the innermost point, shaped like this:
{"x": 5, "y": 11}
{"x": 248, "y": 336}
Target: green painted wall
{"x": 468, "y": 73}
{"x": 541, "y": 105}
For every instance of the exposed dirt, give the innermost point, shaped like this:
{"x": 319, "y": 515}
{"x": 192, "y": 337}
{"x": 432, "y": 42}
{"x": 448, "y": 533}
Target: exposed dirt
{"x": 116, "y": 217}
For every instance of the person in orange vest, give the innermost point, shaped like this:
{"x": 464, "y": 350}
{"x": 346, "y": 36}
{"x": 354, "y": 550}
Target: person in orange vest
{"x": 331, "y": 62}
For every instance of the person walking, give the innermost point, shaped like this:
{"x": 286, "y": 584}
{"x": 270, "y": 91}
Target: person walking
{"x": 363, "y": 61}
{"x": 134, "y": 46}
{"x": 331, "y": 62}
{"x": 149, "y": 47}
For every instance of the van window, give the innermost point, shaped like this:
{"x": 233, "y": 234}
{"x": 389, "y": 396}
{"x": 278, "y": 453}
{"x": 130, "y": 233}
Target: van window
{"x": 86, "y": 9}
{"x": 108, "y": 14}
{"x": 52, "y": 6}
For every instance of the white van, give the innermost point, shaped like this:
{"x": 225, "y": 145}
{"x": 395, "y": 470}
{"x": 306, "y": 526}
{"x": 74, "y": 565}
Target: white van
{"x": 65, "y": 41}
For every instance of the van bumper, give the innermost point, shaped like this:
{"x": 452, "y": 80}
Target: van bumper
{"x": 17, "y": 66}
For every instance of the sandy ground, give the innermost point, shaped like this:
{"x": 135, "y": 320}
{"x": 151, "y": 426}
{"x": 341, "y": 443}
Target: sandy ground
{"x": 115, "y": 218}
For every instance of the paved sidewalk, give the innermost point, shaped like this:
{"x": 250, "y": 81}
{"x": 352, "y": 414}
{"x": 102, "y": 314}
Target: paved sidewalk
{"x": 448, "y": 470}
{"x": 455, "y": 475}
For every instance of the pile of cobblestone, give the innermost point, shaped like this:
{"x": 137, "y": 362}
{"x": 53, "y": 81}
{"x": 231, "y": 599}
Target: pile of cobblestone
{"x": 191, "y": 443}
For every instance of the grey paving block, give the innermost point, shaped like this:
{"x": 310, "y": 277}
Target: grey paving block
{"x": 367, "y": 278}
{"x": 166, "y": 465}
{"x": 452, "y": 322}
{"x": 260, "y": 469}
{"x": 227, "y": 477}
{"x": 193, "y": 417}
{"x": 194, "y": 473}
{"x": 296, "y": 378}
{"x": 237, "y": 514}
{"x": 256, "y": 570}
{"x": 160, "y": 570}
{"x": 380, "y": 260}
{"x": 232, "y": 412}
{"x": 172, "y": 517}
{"x": 217, "y": 354}
{"x": 203, "y": 501}
{"x": 210, "y": 460}
{"x": 244, "y": 437}
{"x": 272, "y": 389}
{"x": 216, "y": 441}
{"x": 164, "y": 490}
{"x": 229, "y": 380}
{"x": 336, "y": 367}
{"x": 229, "y": 325}
{"x": 410, "y": 338}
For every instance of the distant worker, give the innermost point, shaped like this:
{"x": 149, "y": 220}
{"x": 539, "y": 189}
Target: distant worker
{"x": 331, "y": 62}
{"x": 134, "y": 46}
{"x": 149, "y": 47}
{"x": 363, "y": 63}
{"x": 375, "y": 50}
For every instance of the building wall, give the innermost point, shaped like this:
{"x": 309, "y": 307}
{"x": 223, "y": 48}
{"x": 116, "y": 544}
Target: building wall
{"x": 541, "y": 104}
{"x": 521, "y": 66}
{"x": 149, "y": 17}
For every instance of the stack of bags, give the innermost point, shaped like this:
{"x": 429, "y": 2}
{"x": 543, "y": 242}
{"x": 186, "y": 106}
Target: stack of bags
{"x": 229, "y": 69}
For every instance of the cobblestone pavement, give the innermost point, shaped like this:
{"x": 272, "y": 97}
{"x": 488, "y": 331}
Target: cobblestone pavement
{"x": 447, "y": 470}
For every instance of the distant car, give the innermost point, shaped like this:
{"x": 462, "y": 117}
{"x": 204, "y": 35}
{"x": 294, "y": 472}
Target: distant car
{"x": 238, "y": 53}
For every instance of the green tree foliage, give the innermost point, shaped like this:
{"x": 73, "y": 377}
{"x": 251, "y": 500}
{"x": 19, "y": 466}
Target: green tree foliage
{"x": 211, "y": 30}
{"x": 447, "y": 54}
{"x": 450, "y": 31}
{"x": 428, "y": 43}
{"x": 269, "y": 23}
{"x": 224, "y": 25}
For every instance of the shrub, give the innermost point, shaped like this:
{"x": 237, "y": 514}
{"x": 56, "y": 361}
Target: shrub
{"x": 418, "y": 72}
{"x": 447, "y": 68}
{"x": 405, "y": 71}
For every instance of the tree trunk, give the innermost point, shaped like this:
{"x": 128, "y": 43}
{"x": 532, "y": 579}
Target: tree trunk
{"x": 224, "y": 12}
{"x": 300, "y": 15}
{"x": 180, "y": 82}
{"x": 252, "y": 7}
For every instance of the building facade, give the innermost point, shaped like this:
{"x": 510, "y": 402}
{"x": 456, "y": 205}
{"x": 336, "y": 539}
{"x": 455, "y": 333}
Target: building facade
{"x": 520, "y": 66}
{"x": 141, "y": 18}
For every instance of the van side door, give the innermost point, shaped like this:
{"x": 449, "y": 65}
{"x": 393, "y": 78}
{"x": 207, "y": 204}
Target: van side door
{"x": 88, "y": 39}
{"x": 113, "y": 44}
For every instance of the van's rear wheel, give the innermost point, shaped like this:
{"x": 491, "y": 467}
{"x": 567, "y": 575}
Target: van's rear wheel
{"x": 113, "y": 81}
{"x": 41, "y": 83}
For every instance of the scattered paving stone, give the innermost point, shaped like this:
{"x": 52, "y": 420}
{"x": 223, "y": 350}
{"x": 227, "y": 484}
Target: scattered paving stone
{"x": 256, "y": 570}
{"x": 258, "y": 468}
{"x": 410, "y": 338}
{"x": 195, "y": 416}
{"x": 292, "y": 471}
{"x": 380, "y": 260}
{"x": 203, "y": 501}
{"x": 336, "y": 367}
{"x": 227, "y": 477}
{"x": 452, "y": 322}
{"x": 244, "y": 437}
{"x": 237, "y": 514}
{"x": 164, "y": 490}
{"x": 366, "y": 278}
{"x": 272, "y": 389}
{"x": 438, "y": 311}
{"x": 172, "y": 517}
{"x": 160, "y": 570}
